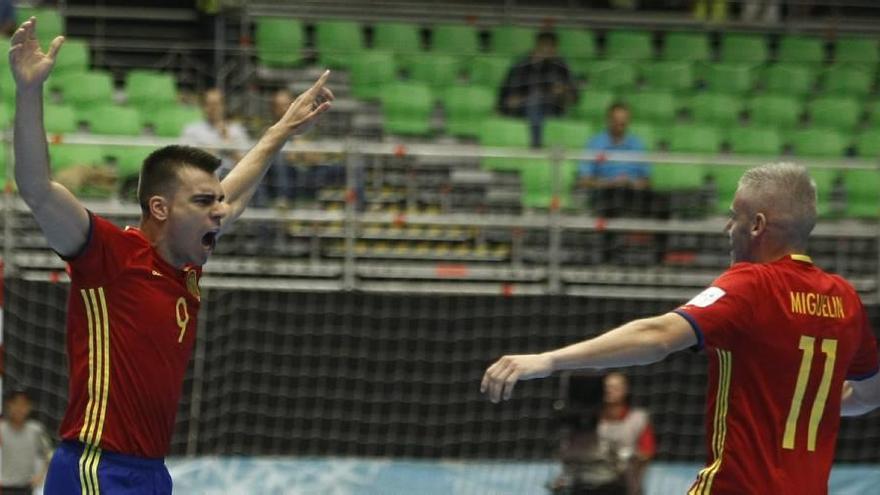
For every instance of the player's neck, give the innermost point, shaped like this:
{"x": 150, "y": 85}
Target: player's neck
{"x": 157, "y": 238}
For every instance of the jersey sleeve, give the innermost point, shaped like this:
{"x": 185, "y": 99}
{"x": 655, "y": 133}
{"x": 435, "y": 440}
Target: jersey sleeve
{"x": 721, "y": 311}
{"x": 102, "y": 257}
{"x": 864, "y": 364}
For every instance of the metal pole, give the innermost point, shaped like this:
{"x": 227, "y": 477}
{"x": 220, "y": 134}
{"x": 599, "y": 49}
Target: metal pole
{"x": 555, "y": 249}
{"x": 352, "y": 162}
{"x": 195, "y": 405}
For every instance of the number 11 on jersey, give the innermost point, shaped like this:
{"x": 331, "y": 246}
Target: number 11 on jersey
{"x": 807, "y": 345}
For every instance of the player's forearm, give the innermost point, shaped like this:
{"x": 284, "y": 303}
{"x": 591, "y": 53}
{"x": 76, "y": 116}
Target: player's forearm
{"x": 637, "y": 342}
{"x": 29, "y": 143}
{"x": 242, "y": 181}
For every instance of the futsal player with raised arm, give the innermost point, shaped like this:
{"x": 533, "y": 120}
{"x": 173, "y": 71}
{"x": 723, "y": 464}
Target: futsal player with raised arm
{"x": 134, "y": 293}
{"x": 781, "y": 336}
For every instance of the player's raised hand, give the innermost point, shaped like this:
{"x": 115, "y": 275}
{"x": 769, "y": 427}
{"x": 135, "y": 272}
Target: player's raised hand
{"x": 30, "y": 66}
{"x": 305, "y": 109}
{"x": 501, "y": 377}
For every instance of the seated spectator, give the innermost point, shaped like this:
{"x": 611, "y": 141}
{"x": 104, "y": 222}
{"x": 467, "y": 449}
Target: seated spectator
{"x": 626, "y": 431}
{"x": 538, "y": 86}
{"x": 619, "y": 188}
{"x": 26, "y": 446}
{"x": 217, "y": 131}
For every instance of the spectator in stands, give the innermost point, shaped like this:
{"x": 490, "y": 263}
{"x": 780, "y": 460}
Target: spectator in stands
{"x": 538, "y": 86}
{"x": 217, "y": 131}
{"x": 626, "y": 431}
{"x": 617, "y": 187}
{"x": 8, "y": 22}
{"x": 298, "y": 175}
{"x": 26, "y": 446}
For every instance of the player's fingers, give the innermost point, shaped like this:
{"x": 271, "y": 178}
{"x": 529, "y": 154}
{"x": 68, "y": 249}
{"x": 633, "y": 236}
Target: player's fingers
{"x": 487, "y": 377}
{"x": 497, "y": 388}
{"x": 510, "y": 382}
{"x": 55, "y": 46}
{"x": 19, "y": 35}
{"x": 327, "y": 94}
{"x": 316, "y": 88}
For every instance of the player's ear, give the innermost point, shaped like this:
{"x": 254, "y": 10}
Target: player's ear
{"x": 759, "y": 224}
{"x": 158, "y": 207}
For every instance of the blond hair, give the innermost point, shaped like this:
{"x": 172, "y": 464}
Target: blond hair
{"x": 786, "y": 194}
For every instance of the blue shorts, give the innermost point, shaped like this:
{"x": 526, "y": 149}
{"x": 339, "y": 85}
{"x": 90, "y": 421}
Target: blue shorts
{"x": 79, "y": 470}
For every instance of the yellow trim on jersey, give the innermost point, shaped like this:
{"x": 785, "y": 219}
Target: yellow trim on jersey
{"x": 703, "y": 485}
{"x": 99, "y": 388}
{"x": 802, "y": 257}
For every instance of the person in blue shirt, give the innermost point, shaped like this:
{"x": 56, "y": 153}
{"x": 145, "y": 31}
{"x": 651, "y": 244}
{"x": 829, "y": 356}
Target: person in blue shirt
{"x": 618, "y": 187}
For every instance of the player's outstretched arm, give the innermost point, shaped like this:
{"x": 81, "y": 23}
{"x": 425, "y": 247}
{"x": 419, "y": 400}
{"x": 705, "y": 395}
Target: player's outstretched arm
{"x": 638, "y": 342}
{"x": 62, "y": 218}
{"x": 860, "y": 397}
{"x": 242, "y": 181}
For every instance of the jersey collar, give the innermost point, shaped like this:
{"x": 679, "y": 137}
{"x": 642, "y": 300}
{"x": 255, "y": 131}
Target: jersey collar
{"x": 802, "y": 258}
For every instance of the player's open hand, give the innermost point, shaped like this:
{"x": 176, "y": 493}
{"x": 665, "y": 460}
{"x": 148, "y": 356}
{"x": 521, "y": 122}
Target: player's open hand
{"x": 30, "y": 66}
{"x": 304, "y": 111}
{"x": 501, "y": 377}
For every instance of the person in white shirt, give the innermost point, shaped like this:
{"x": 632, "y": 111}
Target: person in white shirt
{"x": 217, "y": 130}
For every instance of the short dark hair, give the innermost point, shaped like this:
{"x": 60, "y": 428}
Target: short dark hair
{"x": 617, "y": 105}
{"x": 161, "y": 167}
{"x": 15, "y": 393}
{"x": 548, "y": 36}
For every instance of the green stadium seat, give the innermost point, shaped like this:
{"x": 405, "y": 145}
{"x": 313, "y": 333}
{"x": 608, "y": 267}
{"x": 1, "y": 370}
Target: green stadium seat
{"x": 839, "y": 113}
{"x": 73, "y": 57}
{"x": 715, "y": 109}
{"x": 611, "y": 75}
{"x": 668, "y": 76}
{"x": 861, "y": 193}
{"x": 692, "y": 138}
{"x": 729, "y": 78}
{"x": 868, "y": 144}
{"x": 578, "y": 48}
{"x": 67, "y": 155}
{"x": 506, "y": 133}
{"x": 279, "y": 41}
{"x": 87, "y": 89}
{"x": 686, "y": 47}
{"x": 648, "y": 133}
{"x": 848, "y": 81}
{"x": 789, "y": 79}
{"x": 755, "y": 141}
{"x": 801, "y": 50}
{"x": 726, "y": 180}
{"x": 407, "y": 108}
{"x": 114, "y": 120}
{"x": 592, "y": 105}
{"x": 537, "y": 183}
{"x": 6, "y": 179}
{"x": 466, "y": 108}
{"x": 490, "y": 71}
{"x": 743, "y": 48}
{"x": 402, "y": 39}
{"x": 775, "y": 110}
{"x": 59, "y": 119}
{"x": 674, "y": 177}
{"x": 338, "y": 42}
{"x": 514, "y": 41}
{"x": 628, "y": 45}
{"x": 49, "y": 23}
{"x": 170, "y": 121}
{"x": 455, "y": 39}
{"x": 370, "y": 73}
{"x": 6, "y": 115}
{"x": 129, "y": 159}
{"x": 566, "y": 133}
{"x": 856, "y": 51}
{"x": 826, "y": 180}
{"x": 653, "y": 107}
{"x": 149, "y": 88}
{"x": 817, "y": 142}
{"x": 439, "y": 71}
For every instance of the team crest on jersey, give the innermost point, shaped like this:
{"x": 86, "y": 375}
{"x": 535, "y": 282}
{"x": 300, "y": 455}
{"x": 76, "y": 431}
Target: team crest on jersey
{"x": 192, "y": 284}
{"x": 707, "y": 297}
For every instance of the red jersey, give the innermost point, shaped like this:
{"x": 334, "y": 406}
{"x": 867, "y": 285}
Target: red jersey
{"x": 131, "y": 325}
{"x": 781, "y": 338}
